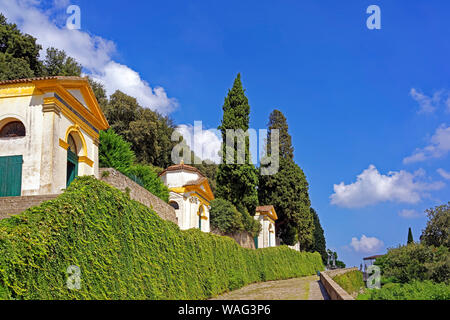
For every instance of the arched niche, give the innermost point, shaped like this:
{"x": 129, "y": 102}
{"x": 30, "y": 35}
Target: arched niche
{"x": 75, "y": 133}
{"x": 12, "y": 128}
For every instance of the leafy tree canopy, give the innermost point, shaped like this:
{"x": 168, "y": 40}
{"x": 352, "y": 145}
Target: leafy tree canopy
{"x": 437, "y": 231}
{"x": 19, "y": 53}
{"x": 57, "y": 63}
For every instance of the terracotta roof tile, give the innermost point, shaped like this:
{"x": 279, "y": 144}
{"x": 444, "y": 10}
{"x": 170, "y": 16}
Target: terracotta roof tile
{"x": 264, "y": 208}
{"x": 40, "y": 79}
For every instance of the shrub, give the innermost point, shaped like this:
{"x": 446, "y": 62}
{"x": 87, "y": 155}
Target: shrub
{"x": 352, "y": 281}
{"x": 415, "y": 262}
{"x": 251, "y": 225}
{"x": 150, "y": 181}
{"x": 416, "y": 290}
{"x": 115, "y": 152}
{"x": 125, "y": 251}
{"x": 229, "y": 219}
{"x": 225, "y": 217}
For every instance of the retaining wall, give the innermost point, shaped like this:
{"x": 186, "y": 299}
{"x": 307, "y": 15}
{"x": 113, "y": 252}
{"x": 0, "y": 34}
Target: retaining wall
{"x": 14, "y": 205}
{"x": 117, "y": 180}
{"x": 334, "y": 290}
{"x": 244, "y": 239}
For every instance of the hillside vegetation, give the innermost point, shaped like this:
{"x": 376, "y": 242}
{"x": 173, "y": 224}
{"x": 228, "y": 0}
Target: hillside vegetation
{"x": 352, "y": 281}
{"x": 125, "y": 251}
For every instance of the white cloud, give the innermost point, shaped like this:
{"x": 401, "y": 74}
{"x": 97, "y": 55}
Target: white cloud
{"x": 115, "y": 76}
{"x": 444, "y": 174}
{"x": 366, "y": 244}
{"x": 439, "y": 147}
{"x": 447, "y": 103}
{"x": 371, "y": 187}
{"x": 428, "y": 104}
{"x": 206, "y": 144}
{"x": 93, "y": 52}
{"x": 410, "y": 213}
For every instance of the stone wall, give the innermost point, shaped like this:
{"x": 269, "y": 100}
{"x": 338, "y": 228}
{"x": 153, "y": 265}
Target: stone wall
{"x": 244, "y": 239}
{"x": 117, "y": 180}
{"x": 334, "y": 290}
{"x": 14, "y": 205}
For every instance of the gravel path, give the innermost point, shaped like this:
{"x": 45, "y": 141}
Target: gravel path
{"x": 293, "y": 289}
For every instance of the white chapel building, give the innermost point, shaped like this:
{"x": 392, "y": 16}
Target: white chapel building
{"x": 49, "y": 134}
{"x": 190, "y": 195}
{"x": 266, "y": 216}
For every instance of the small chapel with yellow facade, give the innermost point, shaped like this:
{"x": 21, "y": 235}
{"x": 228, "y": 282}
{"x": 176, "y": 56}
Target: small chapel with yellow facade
{"x": 190, "y": 195}
{"x": 49, "y": 134}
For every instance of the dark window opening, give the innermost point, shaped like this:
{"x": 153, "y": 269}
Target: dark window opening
{"x": 174, "y": 205}
{"x": 13, "y": 129}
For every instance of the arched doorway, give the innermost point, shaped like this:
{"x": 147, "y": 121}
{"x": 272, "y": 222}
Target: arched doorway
{"x": 72, "y": 160}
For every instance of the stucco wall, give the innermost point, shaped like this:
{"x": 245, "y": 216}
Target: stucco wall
{"x": 44, "y": 167}
{"x": 266, "y": 238}
{"x": 138, "y": 193}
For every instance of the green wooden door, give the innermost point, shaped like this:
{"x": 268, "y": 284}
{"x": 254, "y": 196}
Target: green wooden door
{"x": 256, "y": 242}
{"x": 11, "y": 176}
{"x": 72, "y": 167}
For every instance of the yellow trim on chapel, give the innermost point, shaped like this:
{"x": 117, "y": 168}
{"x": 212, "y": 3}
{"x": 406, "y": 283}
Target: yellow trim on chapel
{"x": 75, "y": 128}
{"x": 18, "y": 90}
{"x": 92, "y": 113}
{"x": 63, "y": 144}
{"x": 86, "y": 160}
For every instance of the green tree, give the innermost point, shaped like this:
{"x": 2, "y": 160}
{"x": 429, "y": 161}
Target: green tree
{"x": 415, "y": 261}
{"x": 237, "y": 182}
{"x": 148, "y": 132}
{"x": 225, "y": 217}
{"x": 410, "y": 236}
{"x": 19, "y": 53}
{"x": 437, "y": 231}
{"x": 319, "y": 244}
{"x": 57, "y": 63}
{"x": 115, "y": 152}
{"x": 287, "y": 190}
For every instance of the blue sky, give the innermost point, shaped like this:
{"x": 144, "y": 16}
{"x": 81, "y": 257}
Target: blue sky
{"x": 373, "y": 104}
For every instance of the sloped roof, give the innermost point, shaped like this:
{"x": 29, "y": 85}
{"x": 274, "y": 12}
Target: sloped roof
{"x": 182, "y": 166}
{"x": 268, "y": 210}
{"x": 89, "y": 115}
{"x": 373, "y": 257}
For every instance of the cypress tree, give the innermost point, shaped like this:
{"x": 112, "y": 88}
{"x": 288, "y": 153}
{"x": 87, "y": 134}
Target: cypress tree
{"x": 410, "y": 236}
{"x": 237, "y": 183}
{"x": 287, "y": 190}
{"x": 319, "y": 237}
